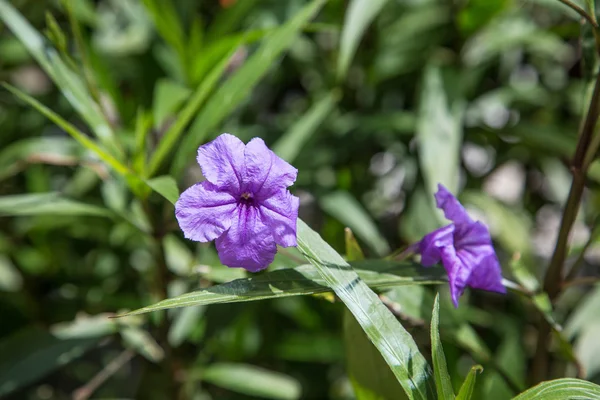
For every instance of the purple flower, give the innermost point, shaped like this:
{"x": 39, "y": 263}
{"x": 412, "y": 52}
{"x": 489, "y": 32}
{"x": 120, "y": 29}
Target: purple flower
{"x": 244, "y": 203}
{"x": 465, "y": 249}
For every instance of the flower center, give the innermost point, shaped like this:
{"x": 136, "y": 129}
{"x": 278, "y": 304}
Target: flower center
{"x": 247, "y": 198}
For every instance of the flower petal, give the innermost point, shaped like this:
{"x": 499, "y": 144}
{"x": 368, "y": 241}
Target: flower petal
{"x": 204, "y": 212}
{"x": 248, "y": 243}
{"x": 222, "y": 162}
{"x": 488, "y": 275}
{"x": 280, "y": 212}
{"x": 458, "y": 272}
{"x": 453, "y": 210}
{"x": 432, "y": 243}
{"x": 266, "y": 173}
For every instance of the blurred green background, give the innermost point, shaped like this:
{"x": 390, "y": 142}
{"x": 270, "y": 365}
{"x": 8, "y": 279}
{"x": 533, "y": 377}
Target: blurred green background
{"x": 374, "y": 102}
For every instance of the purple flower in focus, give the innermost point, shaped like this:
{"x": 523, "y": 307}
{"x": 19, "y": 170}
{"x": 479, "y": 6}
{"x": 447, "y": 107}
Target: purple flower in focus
{"x": 244, "y": 203}
{"x": 465, "y": 249}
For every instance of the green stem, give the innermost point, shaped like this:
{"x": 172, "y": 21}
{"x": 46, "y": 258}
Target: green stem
{"x": 554, "y": 274}
{"x": 591, "y": 19}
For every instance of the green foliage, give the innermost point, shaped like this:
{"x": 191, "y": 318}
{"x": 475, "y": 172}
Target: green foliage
{"x": 440, "y": 369}
{"x": 375, "y": 103}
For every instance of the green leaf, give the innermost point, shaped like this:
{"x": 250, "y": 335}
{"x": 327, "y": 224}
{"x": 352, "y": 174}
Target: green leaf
{"x": 443, "y": 383}
{"x": 383, "y": 329}
{"x": 172, "y": 135}
{"x": 79, "y": 136}
{"x": 293, "y": 141}
{"x": 28, "y": 356}
{"x": 345, "y": 208}
{"x": 253, "y": 381}
{"x": 560, "y": 389}
{"x": 168, "y": 96}
{"x": 237, "y": 88}
{"x": 47, "y": 203}
{"x": 439, "y": 132}
{"x": 142, "y": 343}
{"x": 165, "y": 186}
{"x": 512, "y": 227}
{"x": 368, "y": 372}
{"x": 59, "y": 150}
{"x": 301, "y": 280}
{"x": 353, "y": 250}
{"x": 71, "y": 85}
{"x": 359, "y": 15}
{"x": 466, "y": 390}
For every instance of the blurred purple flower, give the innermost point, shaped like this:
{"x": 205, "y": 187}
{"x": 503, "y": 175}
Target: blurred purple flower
{"x": 244, "y": 203}
{"x": 465, "y": 249}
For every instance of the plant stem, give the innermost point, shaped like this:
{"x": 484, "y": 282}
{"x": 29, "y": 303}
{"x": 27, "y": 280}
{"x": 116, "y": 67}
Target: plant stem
{"x": 591, "y": 19}
{"x": 554, "y": 275}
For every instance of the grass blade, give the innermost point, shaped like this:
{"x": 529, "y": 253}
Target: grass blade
{"x": 172, "y": 136}
{"x": 358, "y": 17}
{"x": 291, "y": 143}
{"x": 443, "y": 383}
{"x": 394, "y": 343}
{"x": 466, "y": 390}
{"x": 439, "y": 131}
{"x": 48, "y": 204}
{"x": 345, "y": 208}
{"x": 71, "y": 85}
{"x": 71, "y": 130}
{"x": 238, "y": 87}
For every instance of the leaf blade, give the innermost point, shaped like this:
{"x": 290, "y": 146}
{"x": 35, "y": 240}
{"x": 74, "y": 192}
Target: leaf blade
{"x": 301, "y": 280}
{"x": 359, "y": 16}
{"x": 443, "y": 383}
{"x": 559, "y": 389}
{"x": 239, "y": 86}
{"x": 396, "y": 346}
{"x": 466, "y": 390}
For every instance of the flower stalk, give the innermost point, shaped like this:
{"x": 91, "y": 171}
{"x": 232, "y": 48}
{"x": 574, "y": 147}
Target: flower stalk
{"x": 586, "y": 148}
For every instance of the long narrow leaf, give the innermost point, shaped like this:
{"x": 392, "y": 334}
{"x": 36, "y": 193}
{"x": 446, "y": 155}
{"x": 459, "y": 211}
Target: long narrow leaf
{"x": 443, "y": 383}
{"x": 291, "y": 143}
{"x": 560, "y": 389}
{"x": 47, "y": 203}
{"x": 171, "y": 137}
{"x": 358, "y": 17}
{"x": 394, "y": 343}
{"x": 71, "y": 130}
{"x": 302, "y": 280}
{"x": 69, "y": 82}
{"x": 238, "y": 87}
{"x": 466, "y": 390}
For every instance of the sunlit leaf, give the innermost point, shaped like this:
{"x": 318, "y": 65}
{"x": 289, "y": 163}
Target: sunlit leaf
{"x": 383, "y": 329}
{"x": 439, "y": 132}
{"x": 165, "y": 186}
{"x": 301, "y": 280}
